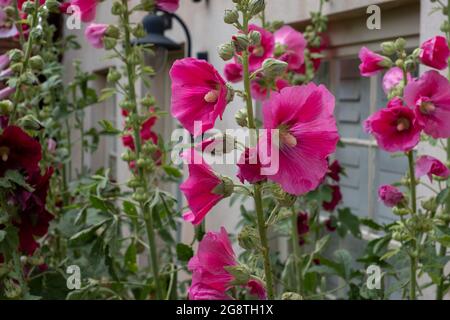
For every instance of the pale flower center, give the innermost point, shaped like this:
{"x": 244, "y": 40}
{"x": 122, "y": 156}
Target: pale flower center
{"x": 403, "y": 124}
{"x": 4, "y": 153}
{"x": 427, "y": 107}
{"x": 288, "y": 139}
{"x": 212, "y": 96}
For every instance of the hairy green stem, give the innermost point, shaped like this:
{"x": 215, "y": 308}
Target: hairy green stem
{"x": 262, "y": 229}
{"x": 145, "y": 210}
{"x": 296, "y": 251}
{"x": 413, "y": 255}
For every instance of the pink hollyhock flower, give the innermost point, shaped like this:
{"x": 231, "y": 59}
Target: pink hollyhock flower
{"x": 210, "y": 279}
{"x": 395, "y": 102}
{"x": 6, "y": 92}
{"x": 292, "y": 45}
{"x": 427, "y": 165}
{"x": 435, "y": 53}
{"x": 371, "y": 63}
{"x": 199, "y": 188}
{"x": 233, "y": 72}
{"x": 249, "y": 167}
{"x": 198, "y": 94}
{"x": 430, "y": 96}
{"x": 7, "y": 28}
{"x": 393, "y": 78}
{"x": 394, "y": 128}
{"x": 307, "y": 131}
{"x": 336, "y": 198}
{"x": 262, "y": 51}
{"x": 390, "y": 195}
{"x": 261, "y": 91}
{"x": 87, "y": 9}
{"x": 95, "y": 34}
{"x": 4, "y": 61}
{"x": 168, "y": 5}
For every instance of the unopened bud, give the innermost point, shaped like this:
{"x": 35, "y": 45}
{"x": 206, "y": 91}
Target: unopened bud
{"x": 226, "y": 51}
{"x": 36, "y": 63}
{"x": 15, "y": 55}
{"x": 112, "y": 31}
{"x": 256, "y": 6}
{"x": 241, "y": 42}
{"x": 6, "y": 107}
{"x": 388, "y": 47}
{"x": 29, "y": 122}
{"x": 225, "y": 188}
{"x": 113, "y": 75}
{"x": 255, "y": 38}
{"x": 241, "y": 118}
{"x": 273, "y": 68}
{"x": 231, "y": 16}
{"x": 248, "y": 238}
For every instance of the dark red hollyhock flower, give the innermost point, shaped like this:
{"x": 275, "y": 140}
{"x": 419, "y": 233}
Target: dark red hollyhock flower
{"x": 302, "y": 226}
{"x": 33, "y": 218}
{"x": 330, "y": 224}
{"x": 335, "y": 170}
{"x": 18, "y": 151}
{"x": 316, "y": 261}
{"x": 335, "y": 200}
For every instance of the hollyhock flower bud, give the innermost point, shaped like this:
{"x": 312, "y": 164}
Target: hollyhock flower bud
{"x": 231, "y": 16}
{"x": 291, "y": 296}
{"x": 263, "y": 51}
{"x": 6, "y": 107}
{"x": 390, "y": 195}
{"x": 273, "y": 68}
{"x": 255, "y": 38}
{"x": 241, "y": 42}
{"x": 15, "y": 55}
{"x": 29, "y": 122}
{"x": 336, "y": 198}
{"x": 36, "y": 63}
{"x": 388, "y": 48}
{"x": 303, "y": 116}
{"x": 248, "y": 238}
{"x": 394, "y": 128}
{"x": 430, "y": 98}
{"x": 372, "y": 63}
{"x": 95, "y": 34}
{"x": 427, "y": 165}
{"x": 256, "y": 6}
{"x": 435, "y": 53}
{"x": 393, "y": 78}
{"x": 199, "y": 94}
{"x": 226, "y": 51}
{"x": 241, "y": 117}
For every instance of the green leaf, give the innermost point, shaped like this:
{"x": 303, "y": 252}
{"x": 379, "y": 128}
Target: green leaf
{"x": 2, "y": 235}
{"x": 13, "y": 176}
{"x": 350, "y": 221}
{"x": 86, "y": 235}
{"x": 106, "y": 93}
{"x": 371, "y": 224}
{"x": 344, "y": 260}
{"x": 172, "y": 171}
{"x": 130, "y": 258}
{"x": 390, "y": 254}
{"x": 443, "y": 196}
{"x": 321, "y": 243}
{"x": 108, "y": 128}
{"x": 184, "y": 252}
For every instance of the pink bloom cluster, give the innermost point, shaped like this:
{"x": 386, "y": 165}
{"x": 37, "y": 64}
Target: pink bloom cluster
{"x": 210, "y": 278}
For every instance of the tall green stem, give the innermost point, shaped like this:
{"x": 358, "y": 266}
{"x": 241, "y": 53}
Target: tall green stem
{"x": 145, "y": 210}
{"x": 296, "y": 251}
{"x": 413, "y": 255}
{"x": 443, "y": 249}
{"x": 257, "y": 187}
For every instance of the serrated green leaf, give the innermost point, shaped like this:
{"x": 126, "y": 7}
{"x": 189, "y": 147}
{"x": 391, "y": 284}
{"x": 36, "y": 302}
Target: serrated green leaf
{"x": 184, "y": 252}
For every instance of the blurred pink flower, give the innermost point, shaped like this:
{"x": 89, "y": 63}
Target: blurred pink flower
{"x": 430, "y": 96}
{"x": 394, "y": 128}
{"x": 199, "y": 93}
{"x": 261, "y": 91}
{"x": 292, "y": 45}
{"x": 168, "y": 5}
{"x": 263, "y": 51}
{"x": 427, "y": 165}
{"x": 199, "y": 187}
{"x": 249, "y": 166}
{"x": 390, "y": 195}
{"x": 307, "y": 133}
{"x": 95, "y": 34}
{"x": 435, "y": 53}
{"x": 7, "y": 29}
{"x": 233, "y": 72}
{"x": 371, "y": 62}
{"x": 393, "y": 78}
{"x": 87, "y": 8}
